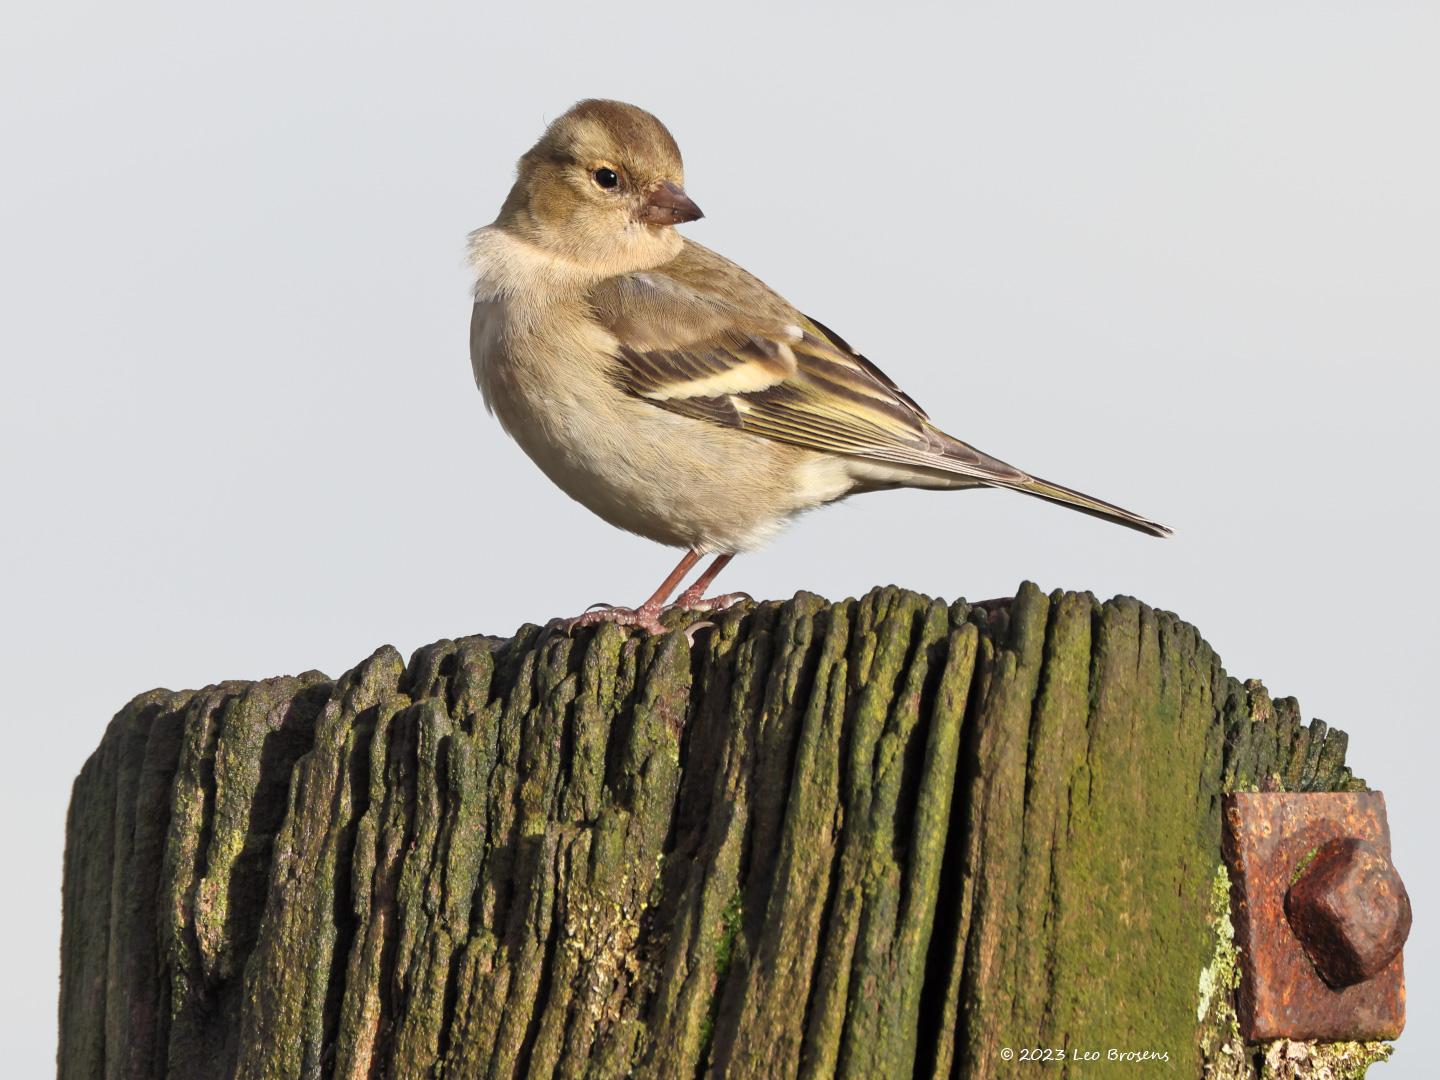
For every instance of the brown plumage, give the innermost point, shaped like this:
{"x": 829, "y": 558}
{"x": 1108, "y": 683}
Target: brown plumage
{"x": 666, "y": 388}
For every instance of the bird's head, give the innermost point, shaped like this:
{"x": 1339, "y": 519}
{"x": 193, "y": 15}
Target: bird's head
{"x": 603, "y": 188}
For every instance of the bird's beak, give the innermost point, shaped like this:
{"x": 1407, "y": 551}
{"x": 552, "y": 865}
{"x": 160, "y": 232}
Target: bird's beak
{"x": 668, "y": 204}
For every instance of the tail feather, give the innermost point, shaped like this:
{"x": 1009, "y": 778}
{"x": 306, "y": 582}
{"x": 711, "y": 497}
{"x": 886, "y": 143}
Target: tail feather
{"x": 966, "y": 460}
{"x": 960, "y": 465}
{"x": 1086, "y": 504}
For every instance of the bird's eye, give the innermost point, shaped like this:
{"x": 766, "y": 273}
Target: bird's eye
{"x": 606, "y": 178}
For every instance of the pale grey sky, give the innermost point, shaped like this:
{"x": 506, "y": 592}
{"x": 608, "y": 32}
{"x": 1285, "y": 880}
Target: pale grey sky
{"x": 1180, "y": 256}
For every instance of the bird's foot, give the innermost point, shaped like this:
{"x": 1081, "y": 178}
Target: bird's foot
{"x": 695, "y": 600}
{"x": 645, "y": 617}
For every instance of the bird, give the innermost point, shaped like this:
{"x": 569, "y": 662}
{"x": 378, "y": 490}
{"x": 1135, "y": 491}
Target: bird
{"x": 667, "y": 389}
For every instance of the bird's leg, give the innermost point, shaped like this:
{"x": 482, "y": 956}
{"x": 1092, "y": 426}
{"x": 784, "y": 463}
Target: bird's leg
{"x": 647, "y": 615}
{"x": 694, "y": 598}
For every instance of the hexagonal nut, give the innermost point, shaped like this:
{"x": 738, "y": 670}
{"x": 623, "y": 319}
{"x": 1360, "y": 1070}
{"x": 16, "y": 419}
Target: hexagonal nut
{"x": 1350, "y": 911}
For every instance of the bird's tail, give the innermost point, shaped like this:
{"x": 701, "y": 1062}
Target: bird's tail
{"x": 1086, "y": 504}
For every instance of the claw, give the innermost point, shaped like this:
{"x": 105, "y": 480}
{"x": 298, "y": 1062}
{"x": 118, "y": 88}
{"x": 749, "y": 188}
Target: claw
{"x": 695, "y": 627}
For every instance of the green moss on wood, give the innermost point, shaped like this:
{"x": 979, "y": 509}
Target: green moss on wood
{"x": 1222, "y": 1049}
{"x": 880, "y": 837}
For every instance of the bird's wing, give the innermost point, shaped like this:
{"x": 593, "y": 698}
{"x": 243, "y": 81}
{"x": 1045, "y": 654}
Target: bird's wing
{"x": 701, "y": 337}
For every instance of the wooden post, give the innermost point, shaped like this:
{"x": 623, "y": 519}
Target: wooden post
{"x": 883, "y": 838}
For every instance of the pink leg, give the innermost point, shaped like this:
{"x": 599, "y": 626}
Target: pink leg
{"x": 694, "y": 598}
{"x": 647, "y": 615}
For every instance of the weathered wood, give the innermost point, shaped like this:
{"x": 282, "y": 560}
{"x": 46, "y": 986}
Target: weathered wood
{"x": 885, "y": 837}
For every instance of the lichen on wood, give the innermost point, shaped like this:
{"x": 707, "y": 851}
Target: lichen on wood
{"x": 880, "y": 837}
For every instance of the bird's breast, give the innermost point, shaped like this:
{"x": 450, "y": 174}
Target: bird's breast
{"x": 675, "y": 479}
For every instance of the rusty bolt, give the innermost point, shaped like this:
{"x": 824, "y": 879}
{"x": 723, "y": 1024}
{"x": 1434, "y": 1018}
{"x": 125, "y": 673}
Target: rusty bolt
{"x": 1350, "y": 911}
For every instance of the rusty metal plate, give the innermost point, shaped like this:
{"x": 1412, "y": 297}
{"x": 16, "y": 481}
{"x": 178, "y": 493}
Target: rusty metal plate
{"x": 1267, "y": 835}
